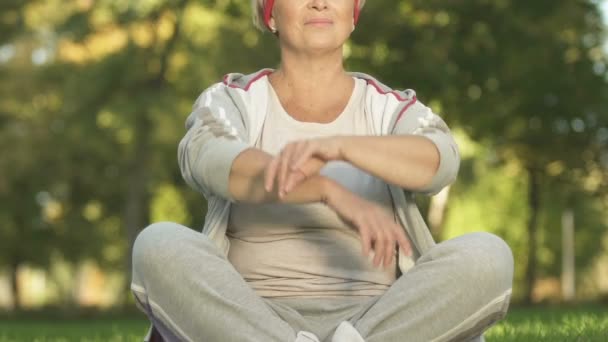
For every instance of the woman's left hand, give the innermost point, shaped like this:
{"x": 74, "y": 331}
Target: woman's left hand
{"x": 299, "y": 160}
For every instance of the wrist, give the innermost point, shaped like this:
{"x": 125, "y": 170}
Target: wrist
{"x": 331, "y": 191}
{"x": 343, "y": 143}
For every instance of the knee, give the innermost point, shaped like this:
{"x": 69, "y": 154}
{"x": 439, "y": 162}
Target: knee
{"x": 489, "y": 262}
{"x": 154, "y": 244}
{"x": 153, "y": 236}
{"x": 162, "y": 244}
{"x": 478, "y": 273}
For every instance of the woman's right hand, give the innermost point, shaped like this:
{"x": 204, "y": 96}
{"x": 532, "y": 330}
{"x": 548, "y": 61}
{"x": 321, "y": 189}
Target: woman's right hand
{"x": 377, "y": 228}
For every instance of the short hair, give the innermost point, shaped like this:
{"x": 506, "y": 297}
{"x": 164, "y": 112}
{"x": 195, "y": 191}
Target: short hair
{"x": 257, "y": 12}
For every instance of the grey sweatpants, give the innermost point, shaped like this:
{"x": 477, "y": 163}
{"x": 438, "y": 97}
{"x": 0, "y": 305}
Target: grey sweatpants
{"x": 191, "y": 292}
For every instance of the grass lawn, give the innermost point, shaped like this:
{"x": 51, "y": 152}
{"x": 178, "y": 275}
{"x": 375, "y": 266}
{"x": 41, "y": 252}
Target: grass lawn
{"x": 580, "y": 323}
{"x": 555, "y": 324}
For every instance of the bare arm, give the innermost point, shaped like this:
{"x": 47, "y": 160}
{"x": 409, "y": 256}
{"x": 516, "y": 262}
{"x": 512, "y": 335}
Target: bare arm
{"x": 419, "y": 154}
{"x": 407, "y": 161}
{"x": 246, "y": 182}
{"x": 377, "y": 228}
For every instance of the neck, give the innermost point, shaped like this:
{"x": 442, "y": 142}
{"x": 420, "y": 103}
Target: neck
{"x": 308, "y": 74}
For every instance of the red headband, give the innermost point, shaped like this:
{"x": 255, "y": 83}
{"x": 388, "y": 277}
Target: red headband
{"x": 268, "y": 4}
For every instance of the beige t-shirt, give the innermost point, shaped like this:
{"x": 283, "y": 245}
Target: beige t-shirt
{"x": 306, "y": 250}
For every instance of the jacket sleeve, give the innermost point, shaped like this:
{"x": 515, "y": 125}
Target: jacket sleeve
{"x": 215, "y": 136}
{"x": 419, "y": 119}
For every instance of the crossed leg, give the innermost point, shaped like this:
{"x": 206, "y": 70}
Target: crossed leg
{"x": 191, "y": 292}
{"x": 456, "y": 290}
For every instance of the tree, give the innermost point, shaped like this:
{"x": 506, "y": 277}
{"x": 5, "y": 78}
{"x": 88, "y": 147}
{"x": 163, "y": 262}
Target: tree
{"x": 526, "y": 79}
{"x": 100, "y": 90}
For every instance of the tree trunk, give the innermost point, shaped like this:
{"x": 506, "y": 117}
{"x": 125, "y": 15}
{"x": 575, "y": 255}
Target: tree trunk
{"x": 568, "y": 256}
{"x": 137, "y": 202}
{"x": 437, "y": 211}
{"x": 16, "y": 256}
{"x": 15, "y": 293}
{"x": 137, "y": 197}
{"x": 534, "y": 207}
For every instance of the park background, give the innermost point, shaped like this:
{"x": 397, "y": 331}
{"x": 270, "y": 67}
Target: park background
{"x": 94, "y": 97}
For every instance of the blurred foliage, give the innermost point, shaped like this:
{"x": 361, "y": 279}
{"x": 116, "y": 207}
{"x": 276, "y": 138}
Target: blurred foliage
{"x": 94, "y": 96}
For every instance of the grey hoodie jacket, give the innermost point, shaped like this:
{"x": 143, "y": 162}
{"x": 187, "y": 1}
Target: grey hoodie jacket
{"x": 227, "y": 118}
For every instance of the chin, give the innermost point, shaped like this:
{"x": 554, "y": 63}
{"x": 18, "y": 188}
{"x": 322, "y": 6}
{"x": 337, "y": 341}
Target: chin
{"x": 327, "y": 44}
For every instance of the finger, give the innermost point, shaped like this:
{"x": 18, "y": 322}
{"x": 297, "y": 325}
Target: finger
{"x": 389, "y": 252}
{"x": 293, "y": 175}
{"x": 293, "y": 179}
{"x": 379, "y": 246}
{"x": 403, "y": 241}
{"x": 283, "y": 164}
{"x": 313, "y": 166}
{"x": 388, "y": 241}
{"x": 300, "y": 149}
{"x": 387, "y": 235}
{"x": 366, "y": 241}
{"x": 384, "y": 226}
{"x": 310, "y": 168}
{"x": 270, "y": 174}
{"x": 307, "y": 151}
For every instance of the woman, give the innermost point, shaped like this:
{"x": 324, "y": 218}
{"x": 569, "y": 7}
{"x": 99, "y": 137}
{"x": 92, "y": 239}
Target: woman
{"x": 309, "y": 234}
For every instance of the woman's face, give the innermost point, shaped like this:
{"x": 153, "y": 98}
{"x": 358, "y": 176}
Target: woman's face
{"x": 313, "y": 25}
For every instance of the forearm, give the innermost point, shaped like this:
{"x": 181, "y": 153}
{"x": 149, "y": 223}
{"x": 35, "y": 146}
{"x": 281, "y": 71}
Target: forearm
{"x": 408, "y": 161}
{"x": 246, "y": 182}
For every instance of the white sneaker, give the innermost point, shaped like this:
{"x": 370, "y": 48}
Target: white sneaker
{"x": 346, "y": 333}
{"x": 306, "y": 336}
